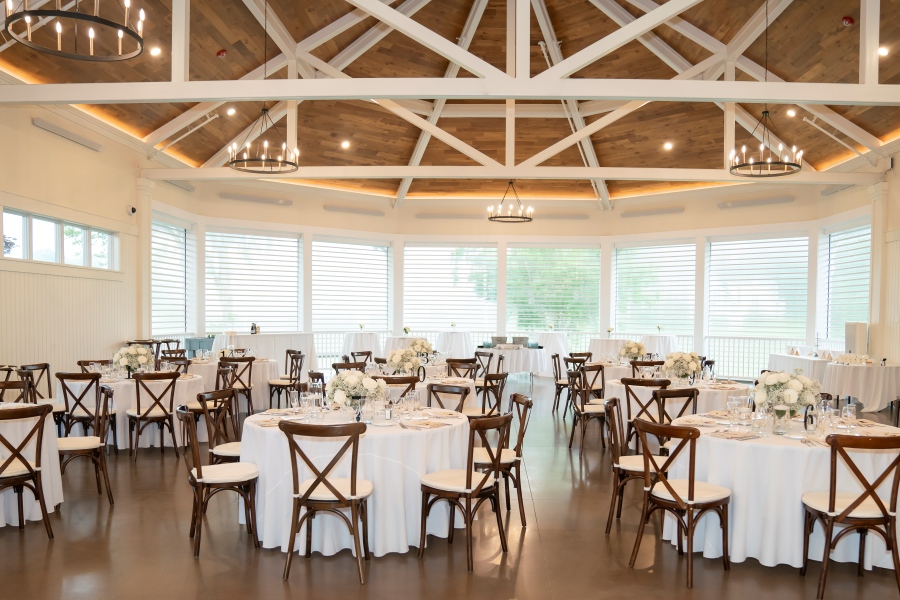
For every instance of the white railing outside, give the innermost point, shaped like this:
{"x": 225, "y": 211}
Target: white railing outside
{"x": 745, "y": 357}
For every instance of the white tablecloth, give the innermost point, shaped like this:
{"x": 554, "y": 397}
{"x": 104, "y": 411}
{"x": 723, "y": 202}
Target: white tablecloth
{"x": 814, "y": 368}
{"x": 662, "y": 345}
{"x": 263, "y": 371}
{"x": 767, "y": 477}
{"x": 125, "y": 397}
{"x": 273, "y": 345}
{"x": 522, "y": 360}
{"x": 15, "y": 432}
{"x": 615, "y": 372}
{"x": 393, "y": 459}
{"x": 455, "y": 344}
{"x": 361, "y": 341}
{"x": 604, "y": 346}
{"x": 708, "y": 399}
{"x": 874, "y": 386}
{"x": 553, "y": 342}
{"x": 395, "y": 342}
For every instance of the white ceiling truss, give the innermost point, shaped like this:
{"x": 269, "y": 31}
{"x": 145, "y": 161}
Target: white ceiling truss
{"x": 423, "y": 101}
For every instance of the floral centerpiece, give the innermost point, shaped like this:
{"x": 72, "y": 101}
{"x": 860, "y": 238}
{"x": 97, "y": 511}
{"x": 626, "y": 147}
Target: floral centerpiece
{"x": 133, "y": 357}
{"x": 406, "y": 331}
{"x": 420, "y": 346}
{"x": 632, "y": 350}
{"x": 683, "y": 364}
{"x": 352, "y": 384}
{"x": 609, "y": 331}
{"x": 797, "y": 391}
{"x": 404, "y": 360}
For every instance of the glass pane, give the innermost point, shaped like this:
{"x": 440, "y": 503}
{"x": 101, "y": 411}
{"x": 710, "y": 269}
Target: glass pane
{"x": 73, "y": 245}
{"x": 100, "y": 249}
{"x": 43, "y": 246}
{"x": 13, "y": 235}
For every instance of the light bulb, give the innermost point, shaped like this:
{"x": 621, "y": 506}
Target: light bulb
{"x": 91, "y": 33}
{"x": 882, "y": 51}
{"x": 266, "y": 144}
{"x": 279, "y": 158}
{"x": 141, "y": 15}
{"x": 733, "y": 152}
{"x": 793, "y": 148}
{"x": 120, "y": 34}
{"x": 762, "y": 147}
{"x": 780, "y": 147}
{"x": 296, "y": 151}
{"x": 743, "y": 148}
{"x": 58, "y": 27}
{"x": 127, "y": 3}
{"x": 751, "y": 160}
{"x": 791, "y": 112}
{"x": 245, "y": 156}
{"x": 231, "y": 112}
{"x": 27, "y": 19}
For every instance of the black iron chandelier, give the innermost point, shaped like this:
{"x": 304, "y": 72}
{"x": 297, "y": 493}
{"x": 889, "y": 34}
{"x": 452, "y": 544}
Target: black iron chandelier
{"x": 76, "y": 30}
{"x": 522, "y": 215}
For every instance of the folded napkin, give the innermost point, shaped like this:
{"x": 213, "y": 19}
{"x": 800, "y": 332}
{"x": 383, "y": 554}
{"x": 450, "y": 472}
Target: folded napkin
{"x": 268, "y": 422}
{"x": 868, "y": 423}
{"x": 717, "y": 414}
{"x": 694, "y": 421}
{"x": 739, "y": 436}
{"x": 278, "y": 411}
{"x": 456, "y": 381}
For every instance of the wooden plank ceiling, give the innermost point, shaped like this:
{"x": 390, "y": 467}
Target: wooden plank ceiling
{"x": 807, "y": 42}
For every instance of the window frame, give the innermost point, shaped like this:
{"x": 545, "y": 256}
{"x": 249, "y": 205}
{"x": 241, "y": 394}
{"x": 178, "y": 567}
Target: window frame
{"x": 60, "y": 259}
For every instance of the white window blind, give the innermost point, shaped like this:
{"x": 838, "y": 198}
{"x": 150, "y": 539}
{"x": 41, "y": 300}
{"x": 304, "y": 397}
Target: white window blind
{"x": 444, "y": 284}
{"x": 758, "y": 287}
{"x": 655, "y": 287}
{"x": 552, "y": 286}
{"x": 350, "y": 283}
{"x": 168, "y": 279}
{"x": 847, "y": 261}
{"x": 252, "y": 279}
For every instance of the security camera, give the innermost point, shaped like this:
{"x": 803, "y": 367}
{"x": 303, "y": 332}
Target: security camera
{"x": 131, "y": 211}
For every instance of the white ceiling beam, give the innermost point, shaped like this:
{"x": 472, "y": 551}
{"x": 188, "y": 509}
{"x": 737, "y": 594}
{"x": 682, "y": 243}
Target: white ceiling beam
{"x": 429, "y": 39}
{"x": 869, "y": 31}
{"x": 611, "y": 117}
{"x": 617, "y": 39}
{"x": 249, "y": 134}
{"x": 517, "y": 172}
{"x": 728, "y": 109}
{"x": 366, "y": 41}
{"x": 512, "y": 63}
{"x": 754, "y": 27}
{"x": 264, "y": 14}
{"x": 335, "y": 28}
{"x": 292, "y": 110}
{"x": 181, "y": 40}
{"x": 695, "y": 34}
{"x": 522, "y": 39}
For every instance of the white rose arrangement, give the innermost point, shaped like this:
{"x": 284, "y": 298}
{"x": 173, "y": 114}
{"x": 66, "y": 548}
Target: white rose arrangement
{"x": 133, "y": 357}
{"x": 404, "y": 360}
{"x": 632, "y": 350}
{"x": 797, "y": 391}
{"x": 348, "y": 384}
{"x": 609, "y": 331}
{"x": 683, "y": 364}
{"x": 406, "y": 331}
{"x": 420, "y": 346}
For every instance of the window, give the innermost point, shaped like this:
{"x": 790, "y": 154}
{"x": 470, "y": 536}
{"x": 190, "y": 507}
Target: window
{"x": 73, "y": 245}
{"x": 14, "y": 227}
{"x": 168, "y": 278}
{"x": 552, "y": 286}
{"x": 252, "y": 279}
{"x": 758, "y": 288}
{"x": 101, "y": 249}
{"x": 32, "y": 237}
{"x": 847, "y": 259}
{"x": 350, "y": 283}
{"x": 655, "y": 287}
{"x": 43, "y": 240}
{"x": 450, "y": 284}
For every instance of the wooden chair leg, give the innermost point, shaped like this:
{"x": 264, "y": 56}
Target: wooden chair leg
{"x": 496, "y": 502}
{"x": 895, "y": 551}
{"x": 364, "y": 522}
{"x": 690, "y": 547}
{"x": 105, "y": 469}
{"x": 354, "y": 520}
{"x": 726, "y": 557}
{"x": 862, "y": 551}
{"x": 200, "y": 512}
{"x": 518, "y": 483}
{"x": 115, "y": 432}
{"x": 469, "y": 547}
{"x": 572, "y": 436}
{"x": 253, "y": 513}
{"x": 617, "y": 490}
{"x": 808, "y": 524}
{"x": 422, "y": 524}
{"x": 295, "y": 525}
{"x": 826, "y": 557}
{"x": 640, "y": 533}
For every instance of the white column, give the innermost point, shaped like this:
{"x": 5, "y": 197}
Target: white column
{"x": 501, "y": 288}
{"x": 199, "y": 280}
{"x": 812, "y": 286}
{"x": 307, "y": 283}
{"x": 700, "y": 306}
{"x": 878, "y": 317}
{"x": 144, "y": 205}
{"x": 397, "y": 281}
{"x": 181, "y": 35}
{"x": 606, "y": 285}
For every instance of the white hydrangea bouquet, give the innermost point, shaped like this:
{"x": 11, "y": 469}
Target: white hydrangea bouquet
{"x": 353, "y": 384}
{"x": 133, "y": 357}
{"x": 632, "y": 350}
{"x": 682, "y": 364}
{"x": 797, "y": 391}
{"x": 420, "y": 346}
{"x": 404, "y": 360}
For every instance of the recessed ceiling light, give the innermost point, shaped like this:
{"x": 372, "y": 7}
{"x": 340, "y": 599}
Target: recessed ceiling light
{"x": 667, "y": 145}
{"x": 882, "y": 51}
{"x": 155, "y": 51}
{"x": 791, "y": 112}
{"x": 231, "y": 112}
{"x": 345, "y": 144}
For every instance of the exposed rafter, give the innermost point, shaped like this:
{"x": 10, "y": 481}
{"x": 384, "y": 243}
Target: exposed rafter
{"x": 755, "y": 27}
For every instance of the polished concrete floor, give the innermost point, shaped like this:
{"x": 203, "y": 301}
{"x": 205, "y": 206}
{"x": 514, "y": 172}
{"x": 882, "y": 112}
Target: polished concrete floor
{"x": 140, "y": 547}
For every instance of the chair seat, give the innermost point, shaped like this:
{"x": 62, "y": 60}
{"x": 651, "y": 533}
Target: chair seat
{"x": 58, "y": 407}
{"x": 636, "y": 463}
{"x": 284, "y": 382}
{"x": 88, "y": 442}
{"x": 703, "y": 492}
{"x": 364, "y": 488}
{"x": 240, "y": 386}
{"x": 16, "y": 468}
{"x": 867, "y": 510}
{"x": 480, "y": 456}
{"x": 564, "y": 382}
{"x": 475, "y": 411}
{"x": 229, "y": 449}
{"x": 453, "y": 480}
{"x": 194, "y": 406}
{"x": 591, "y": 408}
{"x": 227, "y": 473}
{"x": 479, "y": 382}
{"x": 156, "y": 412}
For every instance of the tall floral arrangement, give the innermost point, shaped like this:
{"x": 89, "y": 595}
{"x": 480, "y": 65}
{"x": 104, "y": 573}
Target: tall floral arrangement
{"x": 682, "y": 364}
{"x": 350, "y": 384}
{"x": 797, "y": 391}
{"x": 420, "y": 346}
{"x": 632, "y": 350}
{"x": 133, "y": 357}
{"x": 403, "y": 360}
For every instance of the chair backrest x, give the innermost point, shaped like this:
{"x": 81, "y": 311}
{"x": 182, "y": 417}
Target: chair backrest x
{"x": 497, "y": 427}
{"x": 839, "y": 446}
{"x": 449, "y": 397}
{"x": 243, "y": 370}
{"x": 350, "y": 432}
{"x": 164, "y": 400}
{"x": 409, "y": 381}
{"x": 87, "y": 400}
{"x": 657, "y": 468}
{"x": 14, "y": 454}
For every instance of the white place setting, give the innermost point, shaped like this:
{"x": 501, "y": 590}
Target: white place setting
{"x": 271, "y": 345}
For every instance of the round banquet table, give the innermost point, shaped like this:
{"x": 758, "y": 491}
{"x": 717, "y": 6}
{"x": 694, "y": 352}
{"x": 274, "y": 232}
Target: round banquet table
{"x": 273, "y": 345}
{"x": 612, "y": 372}
{"x": 125, "y": 397}
{"x": 455, "y": 344}
{"x": 709, "y": 399}
{"x": 51, "y": 479}
{"x": 360, "y": 341}
{"x": 395, "y": 342}
{"x": 767, "y": 477}
{"x": 873, "y": 385}
{"x": 553, "y": 342}
{"x": 663, "y": 345}
{"x": 521, "y": 360}
{"x": 602, "y": 346}
{"x": 813, "y": 367}
{"x": 263, "y": 370}
{"x": 392, "y": 458}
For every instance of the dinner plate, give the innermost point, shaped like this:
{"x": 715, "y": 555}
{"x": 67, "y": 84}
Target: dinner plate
{"x": 383, "y": 423}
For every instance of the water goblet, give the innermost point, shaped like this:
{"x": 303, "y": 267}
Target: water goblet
{"x": 848, "y": 414}
{"x": 834, "y": 419}
{"x": 294, "y": 400}
{"x": 745, "y": 410}
{"x": 733, "y": 406}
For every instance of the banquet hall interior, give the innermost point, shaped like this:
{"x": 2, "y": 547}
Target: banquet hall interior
{"x": 526, "y": 299}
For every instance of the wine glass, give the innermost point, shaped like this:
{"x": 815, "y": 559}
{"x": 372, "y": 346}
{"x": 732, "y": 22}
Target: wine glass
{"x": 848, "y": 414}
{"x": 305, "y": 399}
{"x": 294, "y": 400}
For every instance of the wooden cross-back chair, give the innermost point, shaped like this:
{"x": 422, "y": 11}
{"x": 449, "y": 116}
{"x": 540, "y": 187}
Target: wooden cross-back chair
{"x": 181, "y": 363}
{"x": 584, "y": 411}
{"x": 460, "y": 487}
{"x": 16, "y": 391}
{"x": 379, "y": 361}
{"x": 208, "y": 480}
{"x": 688, "y": 500}
{"x": 637, "y": 408}
{"x": 158, "y": 410}
{"x": 594, "y": 383}
{"x": 36, "y": 374}
{"x": 491, "y": 396}
{"x": 81, "y": 406}
{"x": 165, "y": 354}
{"x": 17, "y": 470}
{"x": 326, "y": 492}
{"x": 636, "y": 366}
{"x": 560, "y": 383}
{"x": 217, "y": 410}
{"x": 860, "y": 512}
{"x": 316, "y": 377}
{"x": 682, "y": 401}
{"x": 462, "y": 367}
{"x": 483, "y": 362}
{"x": 448, "y": 397}
{"x": 409, "y": 381}
{"x": 90, "y": 447}
{"x": 348, "y": 366}
{"x": 242, "y": 379}
{"x": 84, "y": 364}
{"x": 363, "y": 356}
{"x": 574, "y": 364}
{"x": 224, "y": 376}
{"x": 294, "y": 369}
{"x": 587, "y": 356}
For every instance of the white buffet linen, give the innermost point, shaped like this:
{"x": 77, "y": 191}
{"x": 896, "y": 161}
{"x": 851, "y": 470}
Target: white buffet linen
{"x": 521, "y": 360}
{"x": 663, "y": 345}
{"x": 602, "y": 346}
{"x": 273, "y": 345}
{"x": 125, "y": 397}
{"x": 395, "y": 342}
{"x": 14, "y": 432}
{"x": 392, "y": 458}
{"x": 873, "y": 385}
{"x": 263, "y": 371}
{"x": 814, "y": 368}
{"x": 709, "y": 398}
{"x": 455, "y": 344}
{"x": 767, "y": 477}
{"x": 359, "y": 341}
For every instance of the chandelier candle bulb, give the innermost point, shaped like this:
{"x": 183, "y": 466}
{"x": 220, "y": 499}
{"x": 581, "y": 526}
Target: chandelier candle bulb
{"x": 91, "y": 37}
{"x": 58, "y": 36}
{"x": 28, "y": 27}
{"x": 120, "y": 42}
{"x": 127, "y": 9}
{"x": 96, "y": 8}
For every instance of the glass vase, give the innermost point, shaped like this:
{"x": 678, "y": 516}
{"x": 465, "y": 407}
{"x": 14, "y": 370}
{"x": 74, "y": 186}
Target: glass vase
{"x": 781, "y": 425}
